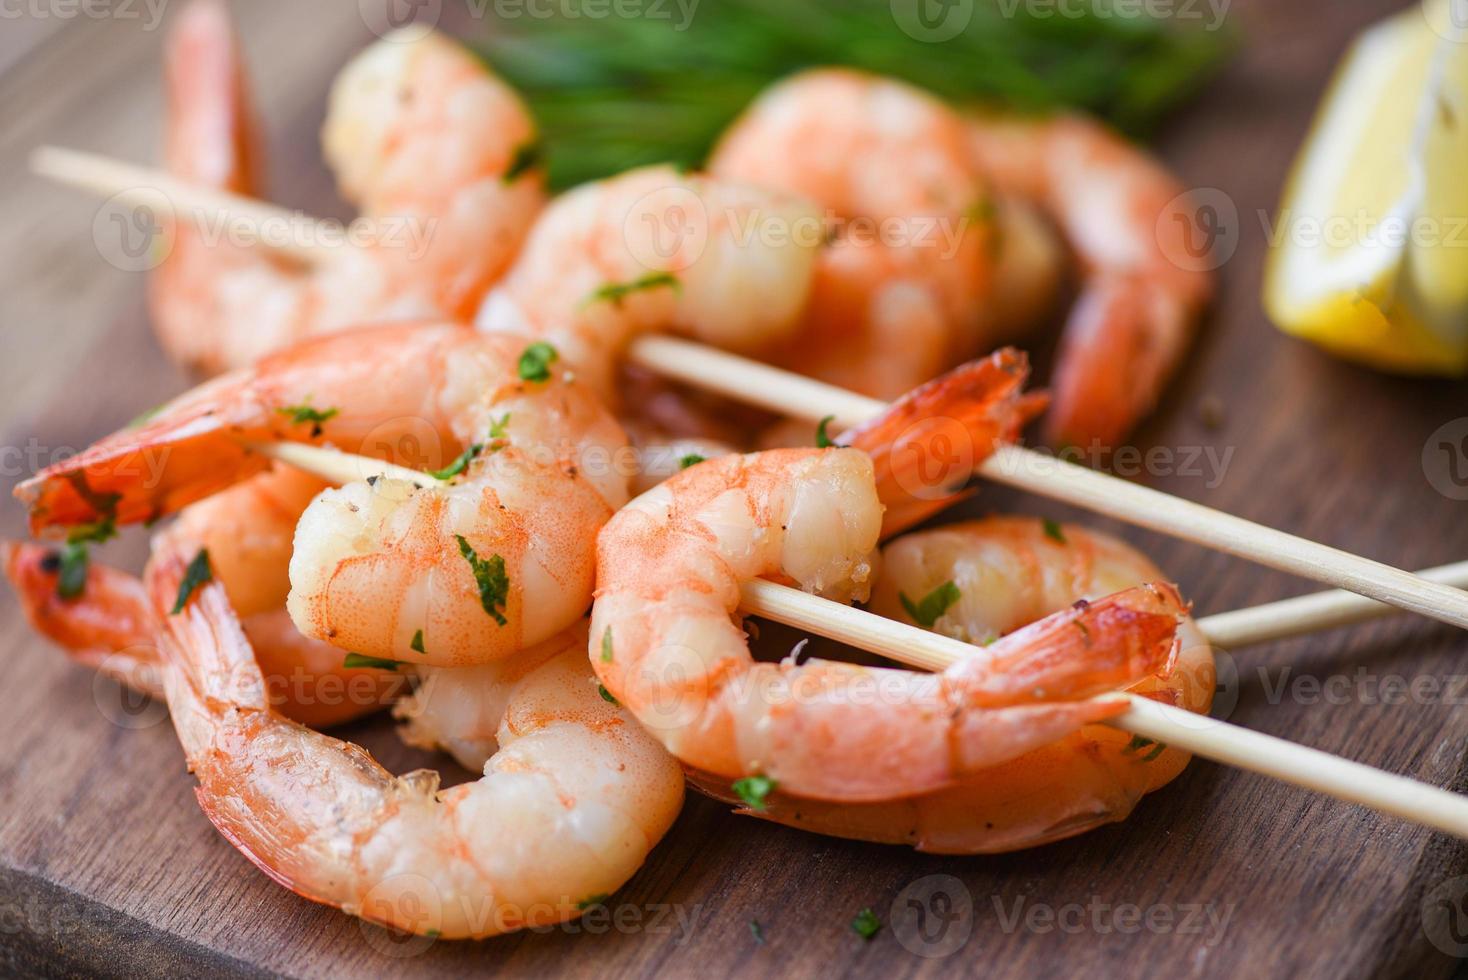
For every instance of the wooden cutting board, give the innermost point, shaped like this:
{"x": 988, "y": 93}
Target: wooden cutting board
{"x": 107, "y": 866}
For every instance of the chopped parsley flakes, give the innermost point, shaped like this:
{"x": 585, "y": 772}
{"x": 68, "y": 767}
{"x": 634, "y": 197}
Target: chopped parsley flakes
{"x": 615, "y": 292}
{"x": 197, "y": 574}
{"x": 753, "y": 790}
{"x": 1053, "y": 531}
{"x": 932, "y": 606}
{"x": 358, "y": 660}
{"x": 823, "y": 440}
{"x": 490, "y": 577}
{"x": 305, "y": 413}
{"x": 536, "y": 360}
{"x": 866, "y": 924}
{"x": 606, "y": 646}
{"x": 692, "y": 459}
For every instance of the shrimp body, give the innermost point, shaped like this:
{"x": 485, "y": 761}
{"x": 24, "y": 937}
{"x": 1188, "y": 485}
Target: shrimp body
{"x": 896, "y": 293}
{"x": 110, "y": 627}
{"x": 1009, "y": 572}
{"x": 664, "y": 641}
{"x": 428, "y": 142}
{"x": 565, "y": 812}
{"x": 1144, "y": 281}
{"x": 653, "y": 249}
{"x": 469, "y": 571}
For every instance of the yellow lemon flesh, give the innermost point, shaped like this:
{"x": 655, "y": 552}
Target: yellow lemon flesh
{"x": 1369, "y": 253}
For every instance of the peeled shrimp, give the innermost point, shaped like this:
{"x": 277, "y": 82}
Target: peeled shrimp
{"x": 437, "y": 151}
{"x": 1007, "y": 572}
{"x": 1144, "y": 282}
{"x": 110, "y": 627}
{"x": 567, "y": 809}
{"x": 653, "y": 249}
{"x": 897, "y": 291}
{"x": 446, "y": 575}
{"x": 665, "y": 643}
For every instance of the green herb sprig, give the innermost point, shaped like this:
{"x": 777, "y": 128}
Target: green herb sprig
{"x": 619, "y": 92}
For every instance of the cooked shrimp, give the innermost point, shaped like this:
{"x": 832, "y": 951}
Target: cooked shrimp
{"x": 110, "y": 627}
{"x": 664, "y": 640}
{"x": 995, "y": 576}
{"x": 653, "y": 249}
{"x": 437, "y": 151}
{"x": 1130, "y": 224}
{"x": 566, "y": 811}
{"x": 447, "y": 575}
{"x": 897, "y": 292}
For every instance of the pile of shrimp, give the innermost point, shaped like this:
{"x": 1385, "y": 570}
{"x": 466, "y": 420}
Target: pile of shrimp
{"x": 551, "y": 594}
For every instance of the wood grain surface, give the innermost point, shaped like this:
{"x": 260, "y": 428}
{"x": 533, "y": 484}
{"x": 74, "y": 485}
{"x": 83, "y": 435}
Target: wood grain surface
{"x": 108, "y": 867}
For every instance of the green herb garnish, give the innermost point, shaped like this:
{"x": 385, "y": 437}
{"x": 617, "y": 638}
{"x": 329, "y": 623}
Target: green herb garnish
{"x": 1138, "y": 743}
{"x": 71, "y": 575}
{"x": 753, "y": 790}
{"x": 305, "y": 413}
{"x": 593, "y": 901}
{"x": 757, "y": 930}
{"x": 490, "y": 577}
{"x": 615, "y": 292}
{"x": 355, "y": 660}
{"x": 866, "y": 924}
{"x": 535, "y": 362}
{"x": 417, "y": 645}
{"x": 460, "y": 463}
{"x": 692, "y": 459}
{"x": 933, "y": 605}
{"x": 606, "y": 646}
{"x": 823, "y": 440}
{"x": 196, "y": 574}
{"x": 612, "y": 93}
{"x": 527, "y": 157}
{"x": 1053, "y": 531}
{"x": 606, "y": 695}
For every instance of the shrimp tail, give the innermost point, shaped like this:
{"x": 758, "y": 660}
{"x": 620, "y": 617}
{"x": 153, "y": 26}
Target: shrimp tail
{"x": 1122, "y": 344}
{"x": 109, "y": 626}
{"x": 926, "y": 447}
{"x": 189, "y": 451}
{"x": 1088, "y": 649}
{"x": 212, "y": 138}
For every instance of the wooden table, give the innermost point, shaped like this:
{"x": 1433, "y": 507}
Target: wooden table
{"x": 106, "y": 864}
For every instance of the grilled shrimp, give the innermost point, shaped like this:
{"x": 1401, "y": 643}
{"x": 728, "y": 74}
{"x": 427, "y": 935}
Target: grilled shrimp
{"x": 247, "y": 530}
{"x": 110, "y": 627}
{"x": 448, "y": 574}
{"x": 896, "y": 294}
{"x": 664, "y": 640}
{"x": 439, "y": 153}
{"x": 991, "y": 577}
{"x": 566, "y": 811}
{"x": 653, "y": 249}
{"x": 1143, "y": 284}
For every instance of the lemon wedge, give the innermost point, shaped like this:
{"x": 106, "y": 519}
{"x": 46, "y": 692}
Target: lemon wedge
{"x": 1369, "y": 253}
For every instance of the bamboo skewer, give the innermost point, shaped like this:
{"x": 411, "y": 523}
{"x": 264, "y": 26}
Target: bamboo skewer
{"x": 1309, "y": 613}
{"x": 791, "y": 394}
{"x": 1210, "y": 738}
{"x": 1267, "y": 755}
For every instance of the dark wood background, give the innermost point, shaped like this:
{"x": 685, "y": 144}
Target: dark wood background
{"x": 107, "y": 865}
